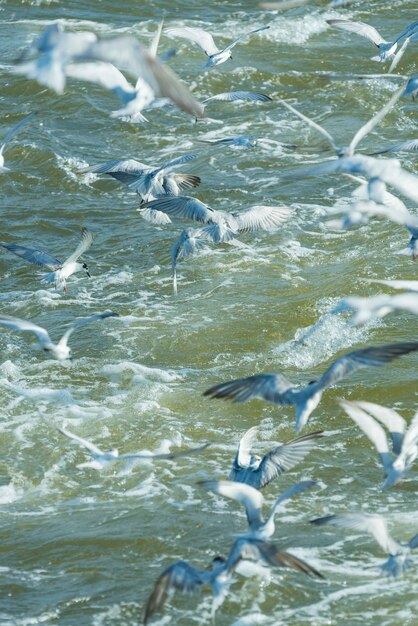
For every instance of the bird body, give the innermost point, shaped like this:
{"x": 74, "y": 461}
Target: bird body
{"x": 275, "y": 388}
{"x": 60, "y": 271}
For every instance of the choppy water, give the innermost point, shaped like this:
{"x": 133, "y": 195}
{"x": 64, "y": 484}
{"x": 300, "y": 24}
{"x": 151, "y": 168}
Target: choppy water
{"x": 83, "y": 547}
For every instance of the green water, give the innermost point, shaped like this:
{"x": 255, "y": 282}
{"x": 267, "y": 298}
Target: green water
{"x": 80, "y": 546}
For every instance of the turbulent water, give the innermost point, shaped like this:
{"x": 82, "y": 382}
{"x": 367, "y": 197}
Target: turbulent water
{"x": 81, "y": 546}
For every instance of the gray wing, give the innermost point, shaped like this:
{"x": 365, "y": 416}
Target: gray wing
{"x": 256, "y": 549}
{"x": 234, "y": 43}
{"x": 411, "y": 144}
{"x": 282, "y": 459}
{"x": 83, "y": 246}
{"x": 183, "y": 207}
{"x": 32, "y": 255}
{"x": 16, "y": 128}
{"x": 270, "y": 387}
{"x": 124, "y": 170}
{"x": 246, "y": 495}
{"x": 179, "y": 576}
{"x": 203, "y": 39}
{"x": 367, "y": 357}
{"x": 233, "y": 96}
{"x": 413, "y": 543}
{"x": 373, "y": 525}
{"x": 174, "y": 162}
{"x": 261, "y": 218}
{"x": 359, "y": 28}
{"x": 167, "y": 455}
{"x": 186, "y": 181}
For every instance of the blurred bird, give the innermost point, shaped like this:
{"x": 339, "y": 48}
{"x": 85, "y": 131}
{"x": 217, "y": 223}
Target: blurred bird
{"x": 404, "y": 441}
{"x": 60, "y": 351}
{"x": 7, "y": 138}
{"x": 275, "y": 388}
{"x": 375, "y": 525}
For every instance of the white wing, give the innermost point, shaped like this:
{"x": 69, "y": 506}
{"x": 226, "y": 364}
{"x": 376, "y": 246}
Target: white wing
{"x": 233, "y": 96}
{"x": 156, "y": 40}
{"x": 83, "y": 442}
{"x": 244, "y": 448}
{"x": 15, "y": 323}
{"x": 251, "y": 498}
{"x": 104, "y": 74}
{"x": 359, "y": 28}
{"x": 15, "y": 128}
{"x": 261, "y": 218}
{"x": 373, "y": 525}
{"x": 85, "y": 243}
{"x": 395, "y": 424}
{"x": 197, "y": 35}
{"x": 371, "y": 429}
{"x": 313, "y": 124}
{"x": 84, "y": 320}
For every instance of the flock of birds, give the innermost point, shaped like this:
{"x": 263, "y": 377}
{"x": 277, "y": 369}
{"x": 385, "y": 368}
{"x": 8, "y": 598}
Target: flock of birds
{"x": 57, "y": 55}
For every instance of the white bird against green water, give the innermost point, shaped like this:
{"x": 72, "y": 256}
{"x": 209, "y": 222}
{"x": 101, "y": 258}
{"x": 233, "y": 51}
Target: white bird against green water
{"x": 404, "y": 440}
{"x": 375, "y": 525}
{"x": 205, "y": 41}
{"x": 59, "y": 272}
{"x": 61, "y": 350}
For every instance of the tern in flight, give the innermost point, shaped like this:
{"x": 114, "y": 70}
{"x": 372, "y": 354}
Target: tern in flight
{"x": 59, "y": 272}
{"x": 367, "y": 416}
{"x": 101, "y": 457}
{"x": 205, "y": 41}
{"x": 61, "y": 350}
{"x": 277, "y": 389}
{"x": 375, "y": 525}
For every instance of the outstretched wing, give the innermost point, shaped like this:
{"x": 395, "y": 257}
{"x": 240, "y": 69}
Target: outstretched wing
{"x": 243, "y": 456}
{"x": 183, "y": 207}
{"x": 312, "y": 124}
{"x": 32, "y": 255}
{"x": 83, "y": 246}
{"x": 15, "y": 323}
{"x": 234, "y": 43}
{"x": 359, "y": 28}
{"x": 233, "y": 96}
{"x": 179, "y": 576}
{"x": 411, "y": 144}
{"x": 203, "y": 39}
{"x": 371, "y": 429}
{"x": 373, "y": 525}
{"x": 367, "y": 357}
{"x": 167, "y": 455}
{"x": 246, "y": 495}
{"x": 282, "y": 459}
{"x": 84, "y": 320}
{"x": 395, "y": 424}
{"x": 270, "y": 387}
{"x": 16, "y": 128}
{"x": 261, "y": 218}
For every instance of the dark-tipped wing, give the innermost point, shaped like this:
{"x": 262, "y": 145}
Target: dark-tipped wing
{"x": 367, "y": 357}
{"x": 183, "y": 207}
{"x": 270, "y": 387}
{"x": 32, "y": 255}
{"x": 187, "y": 181}
{"x": 124, "y": 170}
{"x": 177, "y": 577}
{"x": 281, "y": 459}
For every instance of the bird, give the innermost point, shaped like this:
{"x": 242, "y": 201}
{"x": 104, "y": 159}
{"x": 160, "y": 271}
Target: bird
{"x": 260, "y": 471}
{"x": 205, "y": 41}
{"x": 404, "y": 440}
{"x": 411, "y": 88}
{"x": 149, "y": 182}
{"x": 183, "y": 577}
{"x": 380, "y": 172}
{"x": 224, "y": 225}
{"x": 59, "y": 271}
{"x": 101, "y": 458}
{"x": 275, "y": 388}
{"x": 375, "y": 525}
{"x": 386, "y": 48}
{"x": 8, "y": 136}
{"x": 243, "y": 141}
{"x": 253, "y": 500}
{"x": 347, "y": 151}
{"x": 57, "y": 48}
{"x": 61, "y": 350}
{"x": 237, "y": 96}
{"x": 366, "y": 309}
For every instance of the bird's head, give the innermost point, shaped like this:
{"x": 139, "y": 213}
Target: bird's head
{"x": 86, "y": 269}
